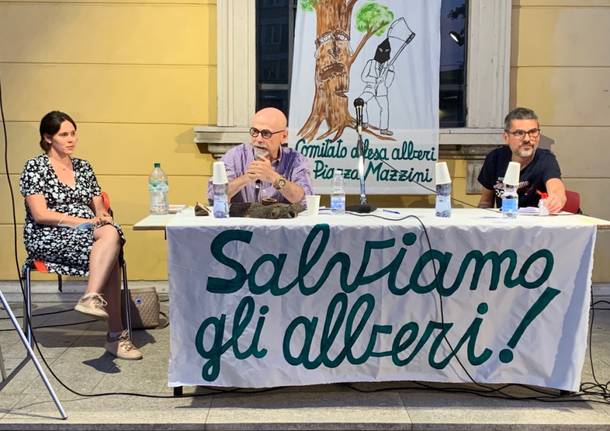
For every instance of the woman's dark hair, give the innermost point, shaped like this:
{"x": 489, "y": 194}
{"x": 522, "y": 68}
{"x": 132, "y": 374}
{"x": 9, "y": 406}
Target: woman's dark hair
{"x": 50, "y": 125}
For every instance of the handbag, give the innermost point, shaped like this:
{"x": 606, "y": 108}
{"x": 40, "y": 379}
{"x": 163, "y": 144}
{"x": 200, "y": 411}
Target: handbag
{"x": 144, "y": 308}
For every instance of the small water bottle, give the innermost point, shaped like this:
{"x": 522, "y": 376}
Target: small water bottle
{"x": 157, "y": 190}
{"x": 443, "y": 200}
{"x": 443, "y": 190}
{"x": 337, "y": 198}
{"x": 510, "y": 201}
{"x": 220, "y": 186}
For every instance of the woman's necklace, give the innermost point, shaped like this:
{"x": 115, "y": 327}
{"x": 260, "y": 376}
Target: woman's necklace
{"x": 61, "y": 166}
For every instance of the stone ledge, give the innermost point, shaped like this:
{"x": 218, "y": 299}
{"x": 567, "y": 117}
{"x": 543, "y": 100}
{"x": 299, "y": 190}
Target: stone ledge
{"x": 462, "y": 143}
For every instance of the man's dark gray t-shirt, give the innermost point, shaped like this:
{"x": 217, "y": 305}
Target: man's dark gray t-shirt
{"x": 532, "y": 178}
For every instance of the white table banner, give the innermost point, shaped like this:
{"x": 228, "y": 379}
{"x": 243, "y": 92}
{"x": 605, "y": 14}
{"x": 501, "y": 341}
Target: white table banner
{"x": 270, "y": 303}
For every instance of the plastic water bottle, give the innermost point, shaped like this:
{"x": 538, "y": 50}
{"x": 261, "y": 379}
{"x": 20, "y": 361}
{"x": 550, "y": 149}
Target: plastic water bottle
{"x": 220, "y": 186}
{"x": 443, "y": 200}
{"x": 157, "y": 190}
{"x": 337, "y": 198}
{"x": 443, "y": 190}
{"x": 221, "y": 201}
{"x": 510, "y": 201}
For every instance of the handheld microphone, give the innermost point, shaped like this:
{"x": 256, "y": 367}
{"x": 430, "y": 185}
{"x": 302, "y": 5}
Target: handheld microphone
{"x": 359, "y": 104}
{"x": 259, "y": 153}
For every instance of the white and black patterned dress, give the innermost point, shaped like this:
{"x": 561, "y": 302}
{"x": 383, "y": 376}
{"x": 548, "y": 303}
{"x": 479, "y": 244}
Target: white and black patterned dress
{"x": 65, "y": 250}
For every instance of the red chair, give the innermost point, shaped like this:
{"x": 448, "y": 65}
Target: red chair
{"x": 40, "y": 266}
{"x": 572, "y": 204}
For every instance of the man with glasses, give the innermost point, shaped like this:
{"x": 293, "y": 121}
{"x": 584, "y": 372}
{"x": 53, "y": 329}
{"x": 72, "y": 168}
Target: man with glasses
{"x": 540, "y": 171}
{"x": 263, "y": 170}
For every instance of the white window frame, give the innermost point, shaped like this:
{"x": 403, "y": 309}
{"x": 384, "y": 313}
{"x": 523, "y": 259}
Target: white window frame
{"x": 487, "y": 85}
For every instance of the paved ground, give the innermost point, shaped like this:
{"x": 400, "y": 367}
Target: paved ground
{"x": 76, "y": 355}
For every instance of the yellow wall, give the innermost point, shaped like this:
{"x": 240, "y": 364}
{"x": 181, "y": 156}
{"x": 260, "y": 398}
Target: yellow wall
{"x": 136, "y": 77}
{"x": 561, "y": 68}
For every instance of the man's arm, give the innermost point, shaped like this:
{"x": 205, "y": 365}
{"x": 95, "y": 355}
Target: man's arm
{"x": 487, "y": 198}
{"x": 232, "y": 169}
{"x": 556, "y": 195}
{"x": 291, "y": 191}
{"x": 238, "y": 183}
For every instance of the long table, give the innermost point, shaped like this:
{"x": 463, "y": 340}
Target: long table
{"x": 387, "y": 297}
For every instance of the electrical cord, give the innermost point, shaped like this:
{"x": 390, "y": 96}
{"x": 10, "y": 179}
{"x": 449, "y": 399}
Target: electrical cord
{"x": 29, "y": 322}
{"x": 442, "y": 314}
{"x": 486, "y": 391}
{"x": 56, "y": 325}
{"x": 585, "y": 387}
{"x": 48, "y": 313}
{"x": 215, "y": 391}
{"x": 468, "y": 204}
{"x": 602, "y": 389}
{"x": 545, "y": 395}
{"x": 10, "y": 187}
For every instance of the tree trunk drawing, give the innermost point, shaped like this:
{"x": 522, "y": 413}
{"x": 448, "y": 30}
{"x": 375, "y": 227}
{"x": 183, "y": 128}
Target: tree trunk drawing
{"x": 333, "y": 63}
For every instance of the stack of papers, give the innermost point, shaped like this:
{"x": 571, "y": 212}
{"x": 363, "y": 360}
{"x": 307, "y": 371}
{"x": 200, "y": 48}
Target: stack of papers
{"x": 176, "y": 208}
{"x": 529, "y": 211}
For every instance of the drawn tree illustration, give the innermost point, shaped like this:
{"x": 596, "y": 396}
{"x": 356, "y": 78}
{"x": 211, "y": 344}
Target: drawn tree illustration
{"x": 334, "y": 58}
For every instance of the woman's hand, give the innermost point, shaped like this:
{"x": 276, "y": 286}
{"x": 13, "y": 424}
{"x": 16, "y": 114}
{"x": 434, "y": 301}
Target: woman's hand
{"x": 102, "y": 220}
{"x": 106, "y": 219}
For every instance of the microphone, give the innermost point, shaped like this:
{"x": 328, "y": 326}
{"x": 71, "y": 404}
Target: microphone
{"x": 359, "y": 104}
{"x": 259, "y": 153}
{"x": 363, "y": 207}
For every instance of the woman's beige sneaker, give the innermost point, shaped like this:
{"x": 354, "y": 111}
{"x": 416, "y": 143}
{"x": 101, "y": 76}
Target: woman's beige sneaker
{"x": 122, "y": 347}
{"x": 92, "y": 304}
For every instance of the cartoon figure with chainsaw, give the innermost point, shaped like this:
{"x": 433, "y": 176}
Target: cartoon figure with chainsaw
{"x": 378, "y": 73}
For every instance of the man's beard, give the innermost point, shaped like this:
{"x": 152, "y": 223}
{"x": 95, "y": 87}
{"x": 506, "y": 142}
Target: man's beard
{"x": 526, "y": 152}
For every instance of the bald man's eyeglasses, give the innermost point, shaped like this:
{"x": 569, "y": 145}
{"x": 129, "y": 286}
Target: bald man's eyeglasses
{"x": 265, "y": 133}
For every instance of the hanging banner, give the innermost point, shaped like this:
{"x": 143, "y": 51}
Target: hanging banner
{"x": 261, "y": 303}
{"x": 387, "y": 54}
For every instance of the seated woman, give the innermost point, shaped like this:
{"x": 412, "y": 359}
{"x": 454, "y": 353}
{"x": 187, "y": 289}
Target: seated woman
{"x": 68, "y": 227}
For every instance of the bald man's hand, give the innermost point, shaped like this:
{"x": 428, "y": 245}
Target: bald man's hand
{"x": 261, "y": 169}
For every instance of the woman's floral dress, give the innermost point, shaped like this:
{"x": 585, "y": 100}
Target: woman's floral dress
{"x": 65, "y": 250}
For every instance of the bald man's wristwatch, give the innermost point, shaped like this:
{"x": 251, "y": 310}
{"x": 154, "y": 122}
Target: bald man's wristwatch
{"x": 279, "y": 183}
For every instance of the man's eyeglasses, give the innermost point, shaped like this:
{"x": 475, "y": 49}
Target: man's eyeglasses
{"x": 265, "y": 133}
{"x": 520, "y": 134}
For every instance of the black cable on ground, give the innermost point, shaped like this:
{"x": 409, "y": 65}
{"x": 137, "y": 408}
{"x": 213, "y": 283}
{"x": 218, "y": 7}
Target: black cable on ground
{"x": 486, "y": 389}
{"x": 10, "y": 187}
{"x": 544, "y": 395}
{"x": 48, "y": 313}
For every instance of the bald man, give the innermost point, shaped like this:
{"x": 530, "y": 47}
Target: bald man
{"x": 263, "y": 169}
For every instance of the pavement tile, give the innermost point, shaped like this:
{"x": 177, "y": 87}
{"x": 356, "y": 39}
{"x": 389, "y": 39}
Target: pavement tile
{"x": 321, "y": 409}
{"x": 144, "y": 376}
{"x": 77, "y": 355}
{"x": 7, "y": 402}
{"x": 26, "y": 379}
{"x": 110, "y": 412}
{"x": 8, "y": 338}
{"x": 439, "y": 411}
